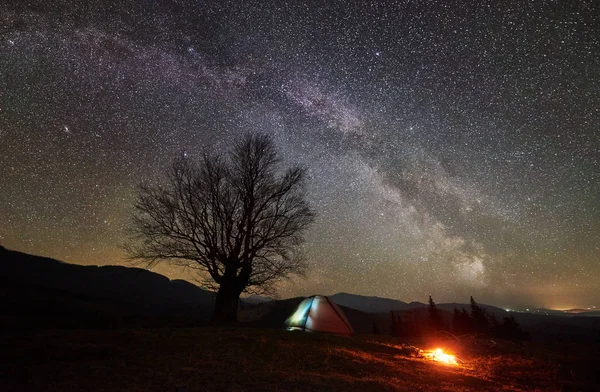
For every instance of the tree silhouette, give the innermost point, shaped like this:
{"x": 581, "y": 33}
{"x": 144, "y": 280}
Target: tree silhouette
{"x": 511, "y": 330}
{"x": 375, "y": 329}
{"x": 493, "y": 325}
{"x": 461, "y": 322}
{"x": 479, "y": 318}
{"x": 235, "y": 218}
{"x": 396, "y": 324}
{"x": 413, "y": 324}
{"x": 436, "y": 323}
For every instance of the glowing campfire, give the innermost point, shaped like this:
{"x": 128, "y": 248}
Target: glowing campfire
{"x": 439, "y": 355}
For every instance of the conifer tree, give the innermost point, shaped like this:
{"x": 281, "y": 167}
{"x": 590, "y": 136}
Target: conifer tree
{"x": 436, "y": 323}
{"x": 479, "y": 318}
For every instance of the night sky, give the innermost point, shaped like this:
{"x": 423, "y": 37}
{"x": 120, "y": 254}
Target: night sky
{"x": 452, "y": 149}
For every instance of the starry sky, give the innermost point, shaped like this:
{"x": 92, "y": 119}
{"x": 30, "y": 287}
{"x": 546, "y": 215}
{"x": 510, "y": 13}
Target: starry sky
{"x": 452, "y": 149}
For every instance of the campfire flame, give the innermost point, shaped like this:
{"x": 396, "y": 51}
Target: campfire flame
{"x": 439, "y": 355}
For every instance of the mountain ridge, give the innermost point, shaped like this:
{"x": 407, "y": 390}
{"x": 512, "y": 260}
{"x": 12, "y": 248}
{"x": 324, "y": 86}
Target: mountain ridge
{"x": 46, "y": 291}
{"x": 44, "y": 285}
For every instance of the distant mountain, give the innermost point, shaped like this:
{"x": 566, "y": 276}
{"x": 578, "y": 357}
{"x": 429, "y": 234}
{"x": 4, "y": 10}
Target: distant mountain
{"x": 41, "y": 293}
{"x": 59, "y": 292}
{"x": 385, "y": 305}
{"x": 581, "y": 312}
{"x": 369, "y": 304}
{"x": 416, "y": 305}
{"x": 498, "y": 312}
{"x": 256, "y": 299}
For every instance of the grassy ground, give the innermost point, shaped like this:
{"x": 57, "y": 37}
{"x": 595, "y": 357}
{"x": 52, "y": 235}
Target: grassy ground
{"x": 243, "y": 359}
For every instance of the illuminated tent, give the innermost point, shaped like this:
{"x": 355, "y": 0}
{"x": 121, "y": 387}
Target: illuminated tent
{"x": 319, "y": 314}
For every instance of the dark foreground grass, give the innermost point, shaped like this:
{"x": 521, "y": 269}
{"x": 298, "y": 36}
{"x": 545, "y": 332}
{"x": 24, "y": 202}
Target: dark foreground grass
{"x": 243, "y": 359}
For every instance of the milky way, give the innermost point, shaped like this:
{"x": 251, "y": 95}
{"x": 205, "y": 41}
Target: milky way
{"x": 451, "y": 150}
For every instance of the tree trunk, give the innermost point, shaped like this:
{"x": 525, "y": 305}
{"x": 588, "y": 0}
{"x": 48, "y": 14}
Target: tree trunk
{"x": 226, "y": 304}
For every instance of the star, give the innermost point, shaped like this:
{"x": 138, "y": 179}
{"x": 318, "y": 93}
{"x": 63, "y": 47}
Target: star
{"x": 452, "y": 148}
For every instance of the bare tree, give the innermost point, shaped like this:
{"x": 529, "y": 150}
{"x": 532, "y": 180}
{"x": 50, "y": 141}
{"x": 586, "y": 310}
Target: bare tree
{"x": 236, "y": 218}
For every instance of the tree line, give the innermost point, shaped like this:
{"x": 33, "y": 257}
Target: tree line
{"x": 475, "y": 321}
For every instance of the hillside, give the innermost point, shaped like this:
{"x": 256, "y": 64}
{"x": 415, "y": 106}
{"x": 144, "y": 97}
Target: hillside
{"x": 46, "y": 303}
{"x": 368, "y": 304}
{"x": 245, "y": 359}
{"x": 40, "y": 292}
